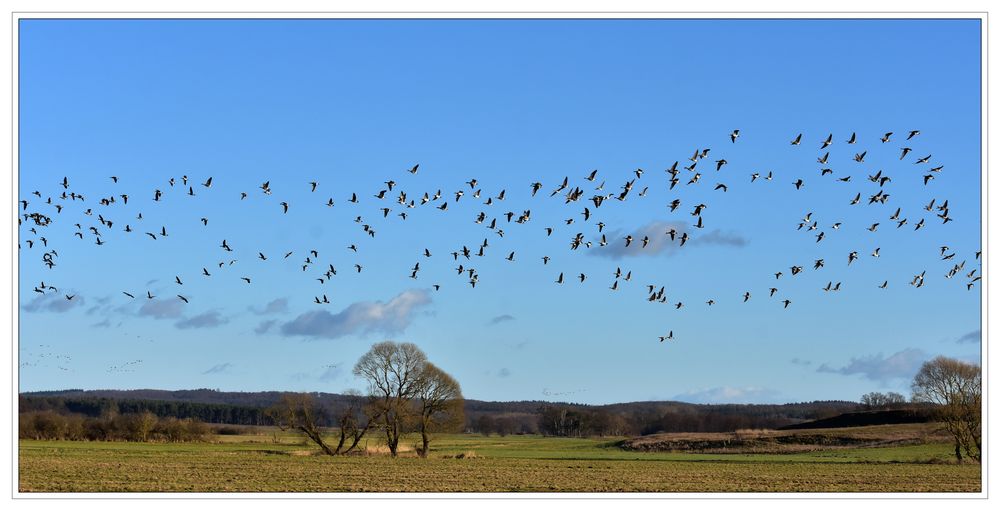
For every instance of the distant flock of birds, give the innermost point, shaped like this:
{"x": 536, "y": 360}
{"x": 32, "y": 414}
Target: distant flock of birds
{"x": 390, "y": 197}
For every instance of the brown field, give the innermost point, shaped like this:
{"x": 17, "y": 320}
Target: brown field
{"x": 472, "y": 463}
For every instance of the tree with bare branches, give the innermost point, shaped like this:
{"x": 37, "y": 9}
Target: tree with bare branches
{"x": 392, "y": 371}
{"x": 355, "y": 419}
{"x": 957, "y": 387}
{"x": 439, "y": 404}
{"x": 299, "y": 412}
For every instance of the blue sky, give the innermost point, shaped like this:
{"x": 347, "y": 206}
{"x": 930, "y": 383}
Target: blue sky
{"x": 352, "y": 104}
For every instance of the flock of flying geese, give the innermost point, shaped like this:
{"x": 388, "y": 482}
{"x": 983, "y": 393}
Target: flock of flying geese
{"x": 392, "y": 198}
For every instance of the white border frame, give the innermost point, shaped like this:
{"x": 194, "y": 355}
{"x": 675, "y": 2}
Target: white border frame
{"x": 16, "y": 16}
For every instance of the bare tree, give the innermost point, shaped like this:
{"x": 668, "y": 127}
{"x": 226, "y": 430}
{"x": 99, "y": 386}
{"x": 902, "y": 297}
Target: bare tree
{"x": 145, "y": 423}
{"x": 880, "y": 401}
{"x": 392, "y": 371}
{"x": 957, "y": 387}
{"x": 298, "y": 412}
{"x": 355, "y": 420}
{"x": 439, "y": 404}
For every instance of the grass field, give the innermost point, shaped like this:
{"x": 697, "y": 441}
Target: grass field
{"x": 272, "y": 463}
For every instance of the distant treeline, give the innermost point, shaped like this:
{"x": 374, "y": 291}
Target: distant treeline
{"x": 483, "y": 417}
{"x": 98, "y": 406}
{"x": 130, "y": 427}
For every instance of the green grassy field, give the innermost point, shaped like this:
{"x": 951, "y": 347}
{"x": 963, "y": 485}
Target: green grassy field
{"x": 266, "y": 463}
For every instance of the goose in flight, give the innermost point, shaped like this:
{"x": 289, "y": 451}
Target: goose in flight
{"x": 668, "y": 337}
{"x": 797, "y": 140}
{"x": 284, "y": 205}
{"x": 852, "y": 257}
{"x": 906, "y": 150}
{"x": 734, "y": 135}
{"x": 183, "y": 299}
{"x": 885, "y": 138}
{"x": 913, "y": 134}
{"x": 860, "y": 157}
{"x": 798, "y": 184}
{"x": 822, "y": 161}
{"x": 207, "y": 183}
{"x": 854, "y": 137}
{"x": 925, "y": 159}
{"x": 130, "y": 295}
{"x": 827, "y": 142}
{"x": 246, "y": 279}
{"x": 746, "y": 296}
{"x": 884, "y": 285}
{"x": 787, "y": 302}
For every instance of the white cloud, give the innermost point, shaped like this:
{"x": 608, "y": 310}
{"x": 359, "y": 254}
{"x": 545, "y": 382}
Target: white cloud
{"x": 390, "y": 317}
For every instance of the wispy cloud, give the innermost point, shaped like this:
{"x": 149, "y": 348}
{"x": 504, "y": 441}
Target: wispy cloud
{"x": 52, "y": 302}
{"x": 390, "y": 317}
{"x": 902, "y": 364}
{"x": 265, "y": 326}
{"x": 218, "y": 368}
{"x": 801, "y": 362}
{"x": 501, "y": 318}
{"x": 660, "y": 242}
{"x": 276, "y": 306}
{"x": 331, "y": 372}
{"x": 503, "y": 372}
{"x": 729, "y": 395}
{"x": 162, "y": 309}
{"x": 976, "y": 336}
{"x": 208, "y": 319}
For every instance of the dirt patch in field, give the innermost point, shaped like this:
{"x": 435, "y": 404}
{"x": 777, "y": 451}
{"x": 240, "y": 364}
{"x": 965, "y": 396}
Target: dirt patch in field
{"x": 778, "y": 442}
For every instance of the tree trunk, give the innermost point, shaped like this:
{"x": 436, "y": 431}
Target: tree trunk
{"x": 958, "y": 452}
{"x": 426, "y": 441}
{"x": 315, "y": 437}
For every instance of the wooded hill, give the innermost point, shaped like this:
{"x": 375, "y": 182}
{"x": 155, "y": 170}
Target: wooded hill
{"x": 501, "y": 417}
